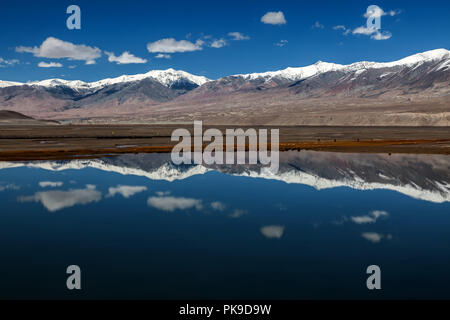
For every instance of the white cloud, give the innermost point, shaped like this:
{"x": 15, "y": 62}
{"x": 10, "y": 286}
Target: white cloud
{"x": 381, "y": 35}
{"x": 10, "y": 186}
{"x": 364, "y": 30}
{"x": 372, "y": 217}
{"x": 165, "y": 46}
{"x": 375, "y": 34}
{"x": 201, "y": 42}
{"x": 344, "y": 30}
{"x": 52, "y": 184}
{"x": 238, "y": 36}
{"x": 218, "y": 206}
{"x": 394, "y": 12}
{"x": 163, "y": 56}
{"x": 272, "y": 232}
{"x": 379, "y": 213}
{"x": 282, "y": 43}
{"x": 162, "y": 193}
{"x": 170, "y": 45}
{"x": 276, "y": 18}
{"x": 238, "y": 213}
{"x": 5, "y": 62}
{"x": 363, "y": 219}
{"x": 53, "y": 48}
{"x": 124, "y": 58}
{"x": 219, "y": 43}
{"x": 340, "y": 27}
{"x": 375, "y": 237}
{"x": 49, "y": 65}
{"x": 372, "y": 236}
{"x": 171, "y": 204}
{"x": 125, "y": 191}
{"x": 318, "y": 25}
{"x": 57, "y": 200}
{"x": 378, "y": 12}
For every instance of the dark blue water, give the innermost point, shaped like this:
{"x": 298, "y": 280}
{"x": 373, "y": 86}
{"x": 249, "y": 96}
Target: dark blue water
{"x": 225, "y": 235}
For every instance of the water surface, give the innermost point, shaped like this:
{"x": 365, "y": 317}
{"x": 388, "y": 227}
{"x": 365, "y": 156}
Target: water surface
{"x": 141, "y": 227}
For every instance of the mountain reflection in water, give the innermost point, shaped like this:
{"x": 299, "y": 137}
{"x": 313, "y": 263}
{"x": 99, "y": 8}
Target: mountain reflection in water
{"x": 141, "y": 227}
{"x": 425, "y": 177}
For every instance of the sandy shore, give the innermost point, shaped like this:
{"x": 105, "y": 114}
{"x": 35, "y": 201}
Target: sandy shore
{"x": 20, "y": 142}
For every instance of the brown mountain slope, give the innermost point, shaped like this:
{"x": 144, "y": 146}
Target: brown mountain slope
{"x": 412, "y": 91}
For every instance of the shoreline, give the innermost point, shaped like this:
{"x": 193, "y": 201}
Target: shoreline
{"x": 50, "y": 142}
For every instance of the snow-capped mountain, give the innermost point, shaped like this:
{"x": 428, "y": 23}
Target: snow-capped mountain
{"x": 170, "y": 76}
{"x": 323, "y": 79}
{"x": 282, "y": 96}
{"x": 320, "y": 67}
{"x": 293, "y": 74}
{"x": 4, "y": 84}
{"x": 167, "y": 78}
{"x": 42, "y": 99}
{"x": 420, "y": 58}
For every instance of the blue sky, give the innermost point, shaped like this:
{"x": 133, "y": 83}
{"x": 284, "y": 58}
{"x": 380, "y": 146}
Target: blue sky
{"x": 305, "y": 33}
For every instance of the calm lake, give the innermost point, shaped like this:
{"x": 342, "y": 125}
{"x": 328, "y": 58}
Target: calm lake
{"x": 140, "y": 227}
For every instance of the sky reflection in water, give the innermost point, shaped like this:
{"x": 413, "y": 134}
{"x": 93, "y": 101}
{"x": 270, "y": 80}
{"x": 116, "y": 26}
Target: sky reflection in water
{"x": 140, "y": 227}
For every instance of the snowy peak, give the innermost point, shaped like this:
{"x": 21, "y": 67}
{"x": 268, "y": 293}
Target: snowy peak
{"x": 296, "y": 74}
{"x": 433, "y": 55}
{"x": 165, "y": 77}
{"x": 169, "y": 76}
{"x": 4, "y": 84}
{"x": 419, "y": 58}
{"x": 52, "y": 83}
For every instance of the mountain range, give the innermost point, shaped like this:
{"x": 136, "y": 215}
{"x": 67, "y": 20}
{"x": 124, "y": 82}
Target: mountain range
{"x": 410, "y": 91}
